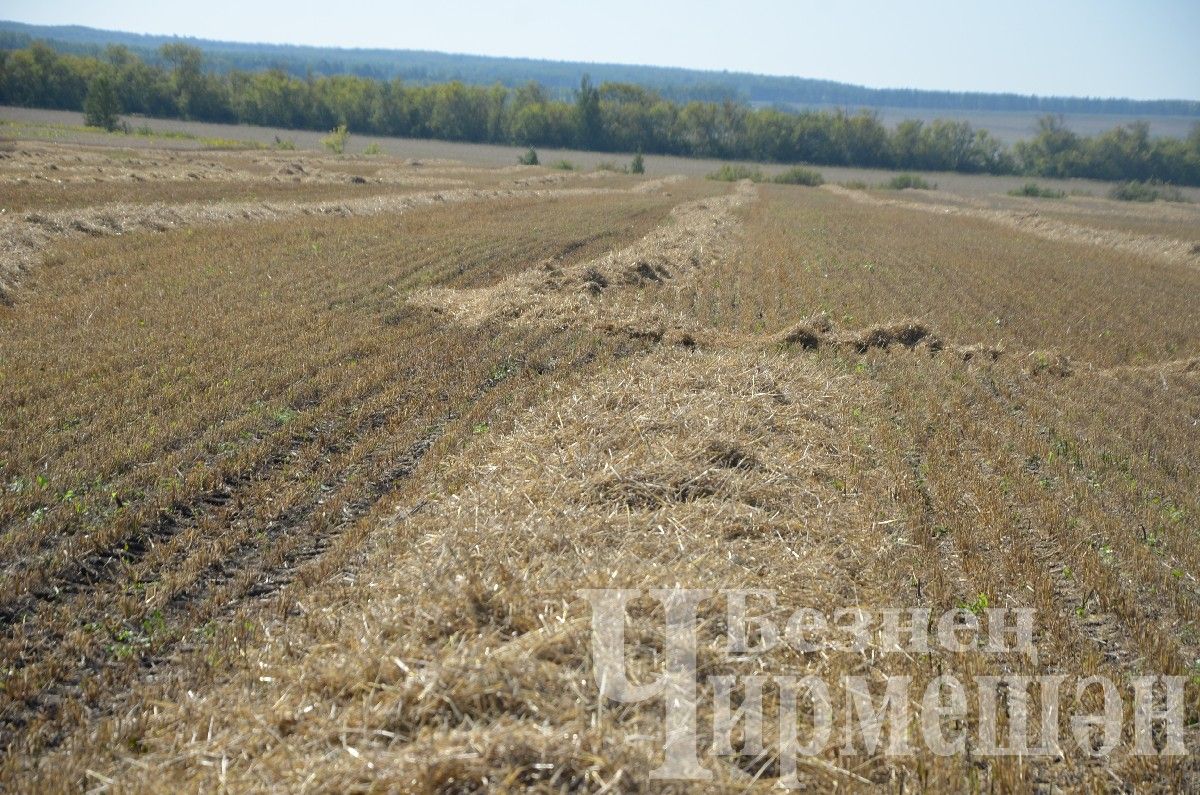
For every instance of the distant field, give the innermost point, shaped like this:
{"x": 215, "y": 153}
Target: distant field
{"x": 31, "y": 123}
{"x": 304, "y": 459}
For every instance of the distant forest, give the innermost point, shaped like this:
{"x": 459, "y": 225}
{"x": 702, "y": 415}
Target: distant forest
{"x": 610, "y": 116}
{"x": 560, "y": 78}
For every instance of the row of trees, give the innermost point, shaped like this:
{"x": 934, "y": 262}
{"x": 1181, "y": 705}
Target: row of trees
{"x": 608, "y": 117}
{"x": 562, "y": 77}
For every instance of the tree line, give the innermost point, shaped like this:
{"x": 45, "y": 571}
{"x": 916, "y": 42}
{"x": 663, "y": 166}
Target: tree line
{"x": 561, "y": 77}
{"x": 619, "y": 117}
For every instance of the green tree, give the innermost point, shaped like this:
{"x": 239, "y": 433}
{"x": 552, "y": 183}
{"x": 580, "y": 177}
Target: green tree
{"x": 100, "y": 107}
{"x": 1054, "y": 150}
{"x": 588, "y": 122}
{"x": 186, "y": 77}
{"x": 197, "y": 95}
{"x": 638, "y": 166}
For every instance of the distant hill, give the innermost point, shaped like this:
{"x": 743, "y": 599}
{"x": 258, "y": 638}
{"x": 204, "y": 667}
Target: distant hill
{"x": 560, "y": 77}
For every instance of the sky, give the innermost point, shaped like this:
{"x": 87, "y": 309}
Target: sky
{"x": 1142, "y": 50}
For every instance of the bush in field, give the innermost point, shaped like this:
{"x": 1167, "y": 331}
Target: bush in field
{"x": 563, "y": 165}
{"x": 101, "y": 106}
{"x": 906, "y": 181}
{"x": 798, "y": 175}
{"x": 1146, "y": 192}
{"x": 530, "y": 157}
{"x": 638, "y": 166}
{"x": 336, "y": 140}
{"x": 1036, "y": 191}
{"x": 373, "y": 149}
{"x": 284, "y": 144}
{"x": 731, "y": 173}
{"x": 855, "y": 184}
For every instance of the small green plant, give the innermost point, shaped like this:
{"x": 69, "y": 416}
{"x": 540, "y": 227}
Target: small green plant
{"x": 977, "y": 606}
{"x": 854, "y": 184}
{"x": 734, "y": 173}
{"x": 638, "y": 166}
{"x": 336, "y": 140}
{"x": 284, "y": 144}
{"x": 502, "y": 371}
{"x": 480, "y": 428}
{"x": 908, "y": 182}
{"x": 124, "y": 644}
{"x": 373, "y": 149}
{"x": 154, "y": 624}
{"x": 1036, "y": 191}
{"x": 1172, "y": 512}
{"x": 798, "y": 175}
{"x": 530, "y": 158}
{"x": 563, "y": 165}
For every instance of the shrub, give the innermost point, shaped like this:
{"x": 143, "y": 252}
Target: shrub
{"x": 906, "y": 181}
{"x": 1148, "y": 191}
{"x": 798, "y": 175}
{"x": 530, "y": 158}
{"x": 563, "y": 165}
{"x": 732, "y": 173}
{"x": 1036, "y": 191}
{"x": 284, "y": 144}
{"x": 373, "y": 149}
{"x": 336, "y": 140}
{"x": 638, "y": 166}
{"x": 101, "y": 106}
{"x": 855, "y": 184}
{"x": 608, "y": 165}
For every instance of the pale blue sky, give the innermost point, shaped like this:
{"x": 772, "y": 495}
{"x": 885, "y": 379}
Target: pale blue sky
{"x": 1144, "y": 50}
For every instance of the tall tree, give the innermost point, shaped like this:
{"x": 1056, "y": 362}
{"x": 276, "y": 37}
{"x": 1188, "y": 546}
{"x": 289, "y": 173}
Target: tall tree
{"x": 589, "y": 126}
{"x": 100, "y": 107}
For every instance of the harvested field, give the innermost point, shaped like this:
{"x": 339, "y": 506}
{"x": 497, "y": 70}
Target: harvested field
{"x": 303, "y": 488}
{"x": 1107, "y": 233}
{"x": 973, "y": 279}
